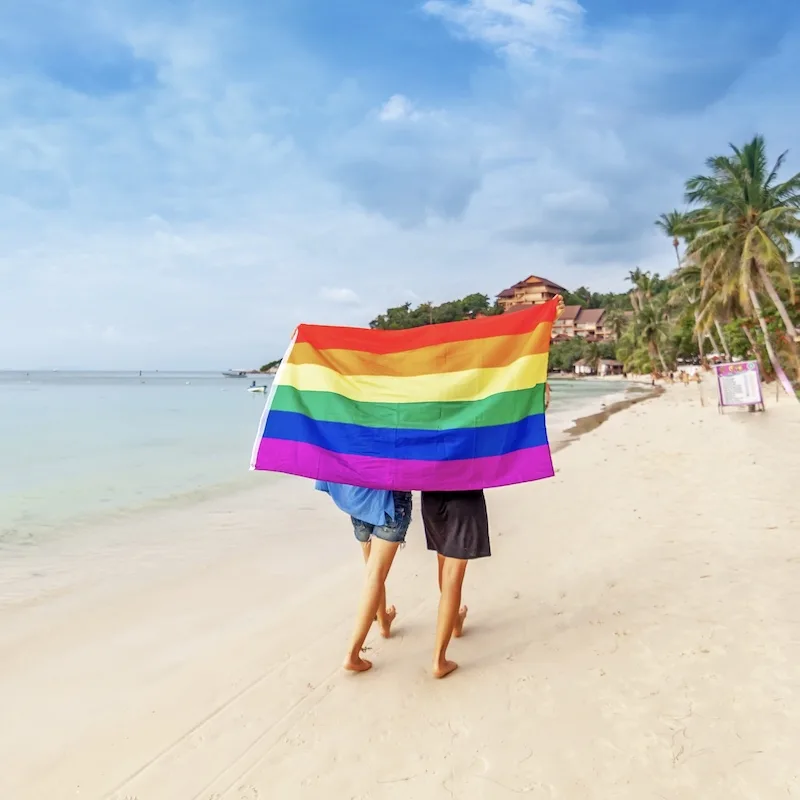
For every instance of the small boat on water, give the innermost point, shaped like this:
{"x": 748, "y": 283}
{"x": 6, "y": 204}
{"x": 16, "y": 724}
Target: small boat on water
{"x": 260, "y": 389}
{"x": 235, "y": 373}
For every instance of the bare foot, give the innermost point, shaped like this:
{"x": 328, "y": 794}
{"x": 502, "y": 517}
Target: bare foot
{"x": 357, "y": 664}
{"x": 458, "y": 628}
{"x": 386, "y": 622}
{"x": 444, "y": 668}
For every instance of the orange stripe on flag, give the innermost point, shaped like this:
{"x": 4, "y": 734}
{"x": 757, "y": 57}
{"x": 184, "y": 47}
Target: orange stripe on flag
{"x": 500, "y": 351}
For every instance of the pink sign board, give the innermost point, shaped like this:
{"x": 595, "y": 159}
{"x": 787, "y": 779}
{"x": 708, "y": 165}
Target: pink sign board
{"x": 739, "y": 384}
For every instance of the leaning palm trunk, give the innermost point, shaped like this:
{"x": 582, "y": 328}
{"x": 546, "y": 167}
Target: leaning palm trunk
{"x": 754, "y": 345}
{"x": 657, "y": 350}
{"x": 769, "y": 287}
{"x": 773, "y": 357}
{"x": 713, "y": 341}
{"x": 722, "y": 339}
{"x": 700, "y": 336}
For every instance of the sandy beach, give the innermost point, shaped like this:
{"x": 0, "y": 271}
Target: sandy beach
{"x": 636, "y": 634}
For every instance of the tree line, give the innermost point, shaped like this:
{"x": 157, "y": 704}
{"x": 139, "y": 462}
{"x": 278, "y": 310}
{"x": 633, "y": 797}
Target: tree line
{"x": 563, "y": 355}
{"x": 406, "y": 316}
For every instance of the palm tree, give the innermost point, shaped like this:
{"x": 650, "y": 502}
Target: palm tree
{"x": 708, "y": 303}
{"x": 644, "y": 285}
{"x": 653, "y": 329}
{"x": 673, "y": 224}
{"x": 616, "y": 321}
{"x": 633, "y": 354}
{"x": 635, "y": 276}
{"x": 686, "y": 296}
{"x": 745, "y": 224}
{"x": 592, "y": 356}
{"x": 716, "y": 305}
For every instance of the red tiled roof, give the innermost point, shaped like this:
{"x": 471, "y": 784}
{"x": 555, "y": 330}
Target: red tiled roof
{"x": 570, "y": 313}
{"x": 546, "y": 281}
{"x": 590, "y": 316}
{"x": 531, "y": 279}
{"x": 520, "y": 307}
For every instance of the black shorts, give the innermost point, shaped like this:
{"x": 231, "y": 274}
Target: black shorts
{"x": 456, "y": 524}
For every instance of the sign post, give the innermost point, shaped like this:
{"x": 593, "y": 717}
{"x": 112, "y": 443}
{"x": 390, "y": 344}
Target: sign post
{"x": 739, "y": 384}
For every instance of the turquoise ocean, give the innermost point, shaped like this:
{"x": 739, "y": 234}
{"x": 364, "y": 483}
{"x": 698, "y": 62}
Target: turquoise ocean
{"x": 78, "y": 446}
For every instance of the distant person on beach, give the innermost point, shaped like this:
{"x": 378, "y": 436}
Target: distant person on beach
{"x": 380, "y": 521}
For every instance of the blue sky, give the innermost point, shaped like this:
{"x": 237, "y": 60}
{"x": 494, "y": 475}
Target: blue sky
{"x": 183, "y": 182}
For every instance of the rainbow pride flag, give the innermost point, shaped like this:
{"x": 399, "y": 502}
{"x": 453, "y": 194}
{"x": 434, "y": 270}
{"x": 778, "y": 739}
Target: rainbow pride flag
{"x": 446, "y": 407}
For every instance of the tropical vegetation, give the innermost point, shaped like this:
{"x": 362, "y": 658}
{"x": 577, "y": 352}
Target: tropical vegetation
{"x": 733, "y": 292}
{"x": 404, "y": 316}
{"x": 735, "y": 284}
{"x": 563, "y": 355}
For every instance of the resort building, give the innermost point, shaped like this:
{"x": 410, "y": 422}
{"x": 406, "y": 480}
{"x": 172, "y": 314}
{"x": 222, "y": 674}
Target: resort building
{"x": 584, "y": 322}
{"x": 529, "y": 292}
{"x": 564, "y": 326}
{"x": 589, "y": 324}
{"x": 575, "y": 321}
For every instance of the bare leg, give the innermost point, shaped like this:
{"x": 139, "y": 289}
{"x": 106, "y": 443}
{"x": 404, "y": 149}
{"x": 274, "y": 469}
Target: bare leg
{"x": 458, "y": 628}
{"x": 386, "y": 614}
{"x": 379, "y": 563}
{"x": 452, "y": 576}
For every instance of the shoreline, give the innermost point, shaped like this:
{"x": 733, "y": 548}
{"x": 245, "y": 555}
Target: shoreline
{"x": 589, "y": 422}
{"x": 42, "y": 565}
{"x": 76, "y": 526}
{"x": 609, "y": 645}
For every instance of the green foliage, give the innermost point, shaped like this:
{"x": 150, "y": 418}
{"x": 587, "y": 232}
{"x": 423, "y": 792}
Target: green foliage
{"x": 740, "y": 235}
{"x": 270, "y": 365}
{"x": 589, "y": 299}
{"x": 735, "y": 278}
{"x": 592, "y": 355}
{"x": 682, "y": 342}
{"x": 617, "y": 322}
{"x": 404, "y": 317}
{"x": 564, "y": 355}
{"x": 633, "y": 353}
{"x": 738, "y": 343}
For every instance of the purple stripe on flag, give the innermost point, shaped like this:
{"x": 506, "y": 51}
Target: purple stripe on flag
{"x": 310, "y": 461}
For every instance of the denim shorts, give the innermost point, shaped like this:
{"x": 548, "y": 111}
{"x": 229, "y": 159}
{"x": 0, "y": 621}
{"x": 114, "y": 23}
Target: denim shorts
{"x": 393, "y": 530}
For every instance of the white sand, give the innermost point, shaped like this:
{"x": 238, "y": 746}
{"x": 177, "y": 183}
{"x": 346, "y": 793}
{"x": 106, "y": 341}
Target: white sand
{"x": 635, "y": 635}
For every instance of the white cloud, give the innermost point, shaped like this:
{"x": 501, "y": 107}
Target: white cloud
{"x": 398, "y": 107}
{"x": 343, "y": 297}
{"x": 516, "y": 26}
{"x": 191, "y": 223}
